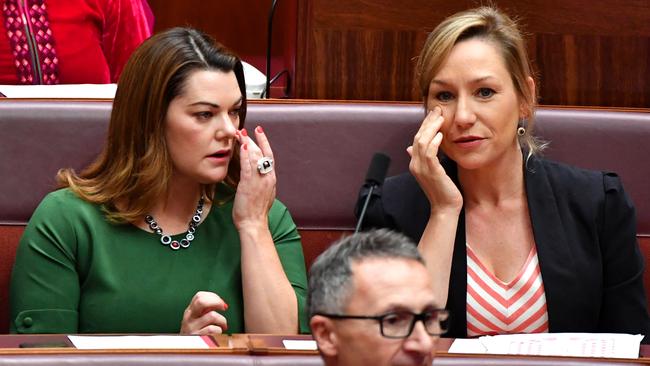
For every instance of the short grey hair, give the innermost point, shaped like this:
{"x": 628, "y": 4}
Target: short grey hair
{"x": 330, "y": 277}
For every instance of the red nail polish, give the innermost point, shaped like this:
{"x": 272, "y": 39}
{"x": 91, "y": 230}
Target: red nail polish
{"x": 246, "y": 147}
{"x": 225, "y": 306}
{"x": 259, "y": 129}
{"x": 244, "y": 132}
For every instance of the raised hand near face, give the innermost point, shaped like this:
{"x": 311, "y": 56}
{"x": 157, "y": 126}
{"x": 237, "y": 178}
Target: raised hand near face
{"x": 425, "y": 165}
{"x": 256, "y": 189}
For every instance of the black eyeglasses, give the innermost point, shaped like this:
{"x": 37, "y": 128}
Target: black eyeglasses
{"x": 400, "y": 324}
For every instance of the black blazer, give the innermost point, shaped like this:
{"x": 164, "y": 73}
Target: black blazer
{"x": 584, "y": 226}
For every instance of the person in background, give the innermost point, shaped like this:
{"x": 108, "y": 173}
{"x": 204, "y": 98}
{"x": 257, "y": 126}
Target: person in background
{"x": 371, "y": 302}
{"x": 515, "y": 243}
{"x": 69, "y": 41}
{"x": 175, "y": 226}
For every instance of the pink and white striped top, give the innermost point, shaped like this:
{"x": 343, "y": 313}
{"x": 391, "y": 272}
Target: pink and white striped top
{"x": 495, "y": 307}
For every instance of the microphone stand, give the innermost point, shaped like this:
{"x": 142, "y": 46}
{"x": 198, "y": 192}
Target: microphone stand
{"x": 365, "y": 206}
{"x": 374, "y": 178}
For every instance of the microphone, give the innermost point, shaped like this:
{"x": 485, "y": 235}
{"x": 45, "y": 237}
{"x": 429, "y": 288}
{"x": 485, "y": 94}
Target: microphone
{"x": 374, "y": 178}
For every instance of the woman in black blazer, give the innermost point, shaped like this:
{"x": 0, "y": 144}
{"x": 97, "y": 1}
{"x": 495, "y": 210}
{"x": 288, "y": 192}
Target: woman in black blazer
{"x": 492, "y": 193}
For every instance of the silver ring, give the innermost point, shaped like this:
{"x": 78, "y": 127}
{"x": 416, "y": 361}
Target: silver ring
{"x": 264, "y": 165}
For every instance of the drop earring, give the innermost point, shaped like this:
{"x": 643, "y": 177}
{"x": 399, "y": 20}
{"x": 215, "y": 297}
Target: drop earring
{"x": 521, "y": 130}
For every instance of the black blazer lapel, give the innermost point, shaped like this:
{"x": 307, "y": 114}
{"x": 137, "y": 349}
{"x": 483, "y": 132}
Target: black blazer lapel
{"x": 457, "y": 295}
{"x": 553, "y": 248}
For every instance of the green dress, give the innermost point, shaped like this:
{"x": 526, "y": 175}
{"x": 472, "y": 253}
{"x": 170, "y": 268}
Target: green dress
{"x": 77, "y": 273}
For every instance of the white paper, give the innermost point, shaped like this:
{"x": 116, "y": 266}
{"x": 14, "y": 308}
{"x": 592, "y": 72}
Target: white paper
{"x": 138, "y": 342}
{"x": 301, "y": 345}
{"x": 76, "y": 91}
{"x": 462, "y": 345}
{"x": 607, "y": 345}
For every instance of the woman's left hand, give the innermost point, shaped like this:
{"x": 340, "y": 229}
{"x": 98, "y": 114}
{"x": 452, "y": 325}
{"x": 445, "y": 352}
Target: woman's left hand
{"x": 256, "y": 191}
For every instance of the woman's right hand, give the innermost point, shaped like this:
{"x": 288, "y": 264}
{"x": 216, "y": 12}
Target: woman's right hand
{"x": 201, "y": 316}
{"x": 425, "y": 166}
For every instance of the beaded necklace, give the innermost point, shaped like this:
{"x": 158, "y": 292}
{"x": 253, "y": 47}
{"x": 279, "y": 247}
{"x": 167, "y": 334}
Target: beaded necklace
{"x": 189, "y": 236}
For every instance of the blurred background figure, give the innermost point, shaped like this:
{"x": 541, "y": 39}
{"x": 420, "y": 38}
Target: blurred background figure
{"x": 69, "y": 41}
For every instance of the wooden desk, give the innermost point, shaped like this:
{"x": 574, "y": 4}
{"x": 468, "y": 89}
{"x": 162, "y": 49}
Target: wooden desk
{"x": 224, "y": 351}
{"x": 457, "y": 359}
{"x": 247, "y": 349}
{"x": 59, "y": 343}
{"x": 272, "y": 345}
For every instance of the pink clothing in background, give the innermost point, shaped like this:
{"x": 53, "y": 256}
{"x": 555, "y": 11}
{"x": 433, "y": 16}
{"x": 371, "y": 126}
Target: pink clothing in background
{"x": 92, "y": 38}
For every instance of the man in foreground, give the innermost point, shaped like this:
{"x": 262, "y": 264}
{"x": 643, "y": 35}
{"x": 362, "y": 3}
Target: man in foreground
{"x": 371, "y": 302}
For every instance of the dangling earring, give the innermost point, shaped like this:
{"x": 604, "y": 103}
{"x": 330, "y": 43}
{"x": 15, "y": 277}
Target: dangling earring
{"x": 521, "y": 130}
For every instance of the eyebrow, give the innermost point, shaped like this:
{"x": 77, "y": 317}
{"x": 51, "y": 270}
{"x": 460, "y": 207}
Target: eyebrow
{"x": 400, "y": 307}
{"x": 474, "y": 81}
{"x": 214, "y": 105}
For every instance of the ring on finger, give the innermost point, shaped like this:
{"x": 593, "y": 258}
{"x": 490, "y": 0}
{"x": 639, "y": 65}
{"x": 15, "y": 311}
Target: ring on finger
{"x": 265, "y": 165}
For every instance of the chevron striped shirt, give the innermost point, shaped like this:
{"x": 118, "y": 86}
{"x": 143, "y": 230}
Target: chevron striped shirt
{"x": 496, "y": 307}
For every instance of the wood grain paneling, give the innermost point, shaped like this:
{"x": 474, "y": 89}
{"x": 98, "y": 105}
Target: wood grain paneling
{"x": 352, "y": 67}
{"x": 593, "y": 70}
{"x": 241, "y": 25}
{"x": 591, "y": 53}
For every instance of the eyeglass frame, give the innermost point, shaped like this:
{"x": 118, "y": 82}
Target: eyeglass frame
{"x": 416, "y": 317}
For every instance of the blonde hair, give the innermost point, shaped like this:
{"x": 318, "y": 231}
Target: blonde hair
{"x": 492, "y": 25}
{"x": 134, "y": 168}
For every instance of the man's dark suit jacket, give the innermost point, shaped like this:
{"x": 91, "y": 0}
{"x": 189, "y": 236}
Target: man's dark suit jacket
{"x": 584, "y": 226}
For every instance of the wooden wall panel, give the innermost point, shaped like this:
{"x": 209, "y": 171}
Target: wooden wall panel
{"x": 353, "y": 68}
{"x": 593, "y": 53}
{"x": 241, "y": 25}
{"x": 593, "y": 70}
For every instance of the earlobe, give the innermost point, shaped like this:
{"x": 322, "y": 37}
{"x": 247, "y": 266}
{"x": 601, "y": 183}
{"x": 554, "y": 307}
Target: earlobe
{"x": 323, "y": 331}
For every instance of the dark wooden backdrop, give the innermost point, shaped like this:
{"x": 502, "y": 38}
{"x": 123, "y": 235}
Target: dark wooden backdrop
{"x": 242, "y": 26}
{"x": 586, "y": 52}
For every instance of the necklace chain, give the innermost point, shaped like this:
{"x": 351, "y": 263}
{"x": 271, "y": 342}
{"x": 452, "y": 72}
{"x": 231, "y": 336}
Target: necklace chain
{"x": 191, "y": 229}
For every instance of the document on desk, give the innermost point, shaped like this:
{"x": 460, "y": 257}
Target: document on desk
{"x": 300, "y": 345}
{"x": 138, "y": 342}
{"x": 607, "y": 345}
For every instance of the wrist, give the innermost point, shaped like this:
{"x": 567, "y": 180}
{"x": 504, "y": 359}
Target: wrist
{"x": 445, "y": 212}
{"x": 252, "y": 227}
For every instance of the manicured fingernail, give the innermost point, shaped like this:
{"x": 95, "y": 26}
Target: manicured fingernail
{"x": 259, "y": 129}
{"x": 245, "y": 147}
{"x": 244, "y": 132}
{"x": 225, "y": 306}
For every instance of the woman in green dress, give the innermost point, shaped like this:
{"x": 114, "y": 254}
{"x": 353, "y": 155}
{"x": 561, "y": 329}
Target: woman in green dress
{"x": 175, "y": 226}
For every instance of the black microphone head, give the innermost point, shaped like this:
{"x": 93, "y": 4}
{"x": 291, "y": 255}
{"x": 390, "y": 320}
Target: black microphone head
{"x": 378, "y": 169}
